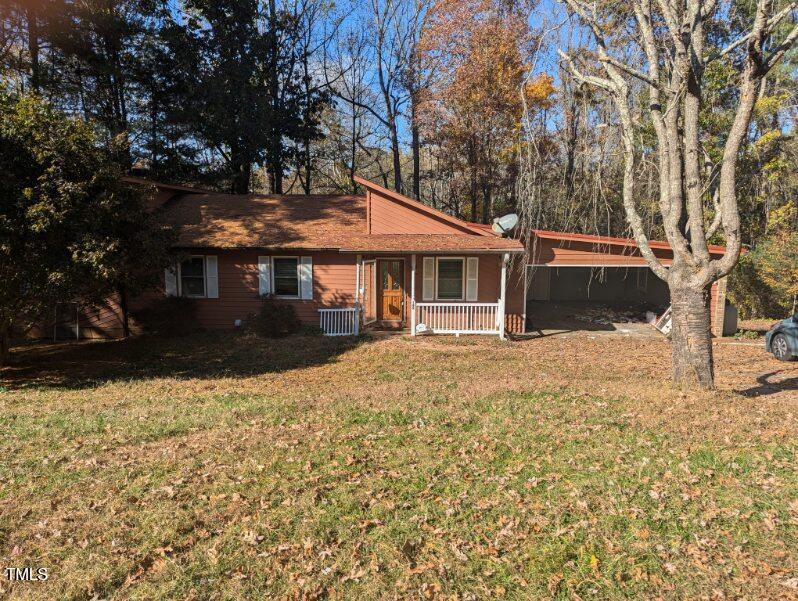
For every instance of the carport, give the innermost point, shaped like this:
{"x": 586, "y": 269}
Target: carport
{"x": 600, "y": 270}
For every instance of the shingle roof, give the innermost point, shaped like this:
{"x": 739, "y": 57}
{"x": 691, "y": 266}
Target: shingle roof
{"x": 265, "y": 221}
{"x": 307, "y": 222}
{"x": 431, "y": 243}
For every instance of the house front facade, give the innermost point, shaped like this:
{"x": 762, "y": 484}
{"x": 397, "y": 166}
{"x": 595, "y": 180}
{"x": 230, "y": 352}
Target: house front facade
{"x": 345, "y": 263}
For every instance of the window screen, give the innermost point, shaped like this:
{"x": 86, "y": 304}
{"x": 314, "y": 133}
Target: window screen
{"x": 450, "y": 279}
{"x": 192, "y": 277}
{"x": 286, "y": 277}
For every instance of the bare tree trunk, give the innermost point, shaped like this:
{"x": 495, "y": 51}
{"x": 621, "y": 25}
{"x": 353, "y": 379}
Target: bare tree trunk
{"x": 33, "y": 49}
{"x": 415, "y": 147}
{"x": 691, "y": 337}
{"x": 275, "y": 162}
{"x": 5, "y": 342}
{"x": 487, "y": 201}
{"x": 241, "y": 171}
{"x": 306, "y": 157}
{"x": 473, "y": 217}
{"x": 397, "y": 164}
{"x": 242, "y": 177}
{"x": 153, "y": 131}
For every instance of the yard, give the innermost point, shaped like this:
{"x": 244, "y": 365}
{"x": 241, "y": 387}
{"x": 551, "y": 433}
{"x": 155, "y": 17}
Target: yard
{"x": 562, "y": 467}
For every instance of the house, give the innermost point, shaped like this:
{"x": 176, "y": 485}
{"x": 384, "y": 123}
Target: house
{"x": 345, "y": 263}
{"x": 376, "y": 261}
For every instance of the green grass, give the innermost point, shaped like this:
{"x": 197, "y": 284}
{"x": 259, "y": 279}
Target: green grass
{"x": 388, "y": 470}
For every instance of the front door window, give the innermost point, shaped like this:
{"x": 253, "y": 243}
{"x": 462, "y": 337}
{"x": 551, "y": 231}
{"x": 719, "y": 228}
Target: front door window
{"x": 391, "y": 290}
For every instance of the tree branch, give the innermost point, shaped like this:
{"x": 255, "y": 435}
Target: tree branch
{"x": 782, "y": 49}
{"x": 772, "y": 22}
{"x": 600, "y": 82}
{"x": 716, "y": 221}
{"x": 630, "y": 71}
{"x": 727, "y": 189}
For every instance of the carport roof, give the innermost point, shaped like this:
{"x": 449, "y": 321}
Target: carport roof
{"x": 609, "y": 240}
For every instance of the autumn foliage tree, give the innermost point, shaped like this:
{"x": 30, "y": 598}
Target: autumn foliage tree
{"x": 472, "y": 111}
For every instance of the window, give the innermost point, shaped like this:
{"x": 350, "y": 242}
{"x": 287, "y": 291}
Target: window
{"x": 450, "y": 279}
{"x": 286, "y": 277}
{"x": 192, "y": 277}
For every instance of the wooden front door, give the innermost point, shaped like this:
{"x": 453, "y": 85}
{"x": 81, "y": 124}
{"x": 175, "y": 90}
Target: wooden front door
{"x": 392, "y": 290}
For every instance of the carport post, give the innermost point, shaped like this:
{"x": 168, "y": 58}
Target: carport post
{"x": 358, "y": 292}
{"x": 502, "y": 294}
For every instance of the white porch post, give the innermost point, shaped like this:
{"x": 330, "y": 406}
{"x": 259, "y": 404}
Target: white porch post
{"x": 412, "y": 295}
{"x": 502, "y": 294}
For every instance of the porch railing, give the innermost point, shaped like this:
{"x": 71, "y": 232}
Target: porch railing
{"x": 340, "y": 322}
{"x": 458, "y": 318}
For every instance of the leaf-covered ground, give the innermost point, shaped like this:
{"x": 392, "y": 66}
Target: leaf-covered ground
{"x": 565, "y": 467}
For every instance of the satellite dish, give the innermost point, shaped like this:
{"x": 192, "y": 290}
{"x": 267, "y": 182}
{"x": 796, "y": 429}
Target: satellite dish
{"x": 505, "y": 225}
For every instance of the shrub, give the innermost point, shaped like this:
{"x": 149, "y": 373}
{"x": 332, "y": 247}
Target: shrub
{"x": 276, "y": 320}
{"x": 765, "y": 281}
{"x": 309, "y": 330}
{"x": 169, "y": 316}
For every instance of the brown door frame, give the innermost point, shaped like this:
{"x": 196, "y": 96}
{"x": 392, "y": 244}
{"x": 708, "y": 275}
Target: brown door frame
{"x": 372, "y": 286}
{"x": 380, "y": 261}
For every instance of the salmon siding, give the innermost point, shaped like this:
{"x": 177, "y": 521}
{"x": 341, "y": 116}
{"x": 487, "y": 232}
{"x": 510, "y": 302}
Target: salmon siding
{"x": 334, "y": 282}
{"x": 333, "y": 285}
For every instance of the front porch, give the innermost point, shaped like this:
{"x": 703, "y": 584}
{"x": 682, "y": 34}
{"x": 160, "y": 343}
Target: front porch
{"x": 425, "y": 294}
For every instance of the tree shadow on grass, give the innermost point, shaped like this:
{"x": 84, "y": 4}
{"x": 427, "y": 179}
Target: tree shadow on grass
{"x": 204, "y": 355}
{"x": 767, "y": 385}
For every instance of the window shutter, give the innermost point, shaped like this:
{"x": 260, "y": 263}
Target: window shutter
{"x": 264, "y": 276}
{"x": 170, "y": 281}
{"x": 211, "y": 276}
{"x": 306, "y": 278}
{"x": 428, "y": 288}
{"x": 472, "y": 278}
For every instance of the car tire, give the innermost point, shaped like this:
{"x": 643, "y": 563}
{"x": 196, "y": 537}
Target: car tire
{"x": 781, "y": 348}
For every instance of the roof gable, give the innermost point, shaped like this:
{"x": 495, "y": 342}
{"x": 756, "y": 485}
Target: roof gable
{"x": 389, "y": 212}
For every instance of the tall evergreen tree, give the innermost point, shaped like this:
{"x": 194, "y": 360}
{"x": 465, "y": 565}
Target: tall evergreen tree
{"x": 239, "y": 69}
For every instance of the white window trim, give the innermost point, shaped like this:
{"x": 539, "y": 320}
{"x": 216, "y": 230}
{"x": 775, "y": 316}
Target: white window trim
{"x": 204, "y": 278}
{"x": 298, "y": 278}
{"x": 461, "y": 298}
